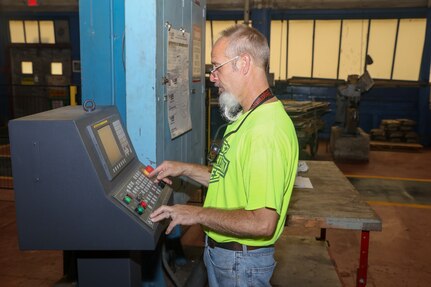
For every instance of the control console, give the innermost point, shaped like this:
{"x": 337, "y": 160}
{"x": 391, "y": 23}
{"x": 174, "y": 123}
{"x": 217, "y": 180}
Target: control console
{"x": 141, "y": 196}
{"x": 79, "y": 184}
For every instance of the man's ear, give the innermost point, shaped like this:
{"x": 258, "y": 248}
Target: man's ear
{"x": 245, "y": 63}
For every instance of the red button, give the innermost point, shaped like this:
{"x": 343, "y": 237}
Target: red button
{"x": 143, "y": 204}
{"x": 148, "y": 169}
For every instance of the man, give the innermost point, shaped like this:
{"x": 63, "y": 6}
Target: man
{"x": 250, "y": 184}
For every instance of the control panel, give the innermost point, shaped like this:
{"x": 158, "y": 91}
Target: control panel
{"x": 78, "y": 179}
{"x": 141, "y": 196}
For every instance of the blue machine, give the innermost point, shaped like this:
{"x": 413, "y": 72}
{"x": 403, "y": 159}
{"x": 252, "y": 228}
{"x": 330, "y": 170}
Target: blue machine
{"x": 79, "y": 186}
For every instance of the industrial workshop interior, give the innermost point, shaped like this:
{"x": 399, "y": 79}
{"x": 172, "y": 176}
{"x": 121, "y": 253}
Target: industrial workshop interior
{"x": 96, "y": 94}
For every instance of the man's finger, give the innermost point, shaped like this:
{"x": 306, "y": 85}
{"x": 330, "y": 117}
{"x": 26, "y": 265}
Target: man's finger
{"x": 170, "y": 227}
{"x": 158, "y": 211}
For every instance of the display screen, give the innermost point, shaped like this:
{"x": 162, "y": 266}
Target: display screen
{"x": 110, "y": 145}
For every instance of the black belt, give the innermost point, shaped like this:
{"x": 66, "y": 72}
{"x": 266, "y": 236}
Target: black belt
{"x": 234, "y": 246}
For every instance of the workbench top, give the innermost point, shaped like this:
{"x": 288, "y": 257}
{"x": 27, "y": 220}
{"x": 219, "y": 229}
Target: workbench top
{"x": 333, "y": 202}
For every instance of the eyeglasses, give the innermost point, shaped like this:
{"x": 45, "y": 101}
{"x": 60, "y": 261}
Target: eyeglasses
{"x": 216, "y": 67}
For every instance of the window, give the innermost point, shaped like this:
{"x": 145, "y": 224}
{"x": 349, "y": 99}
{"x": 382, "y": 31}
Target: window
{"x": 16, "y": 31}
{"x": 27, "y": 68}
{"x": 31, "y": 32}
{"x": 353, "y": 48}
{"x": 277, "y": 47}
{"x": 37, "y": 32}
{"x": 47, "y": 32}
{"x": 300, "y": 48}
{"x": 57, "y": 68}
{"x": 334, "y": 49}
{"x": 408, "y": 57}
{"x": 326, "y": 48}
{"x": 383, "y": 35}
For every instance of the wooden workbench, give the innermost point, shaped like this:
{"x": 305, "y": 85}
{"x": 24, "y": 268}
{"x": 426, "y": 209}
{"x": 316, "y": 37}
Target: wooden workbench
{"x": 333, "y": 202}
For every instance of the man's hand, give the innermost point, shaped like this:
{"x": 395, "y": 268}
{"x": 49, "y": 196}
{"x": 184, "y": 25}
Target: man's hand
{"x": 179, "y": 214}
{"x": 166, "y": 169}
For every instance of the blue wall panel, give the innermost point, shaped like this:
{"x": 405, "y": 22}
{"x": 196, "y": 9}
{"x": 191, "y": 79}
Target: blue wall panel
{"x": 141, "y": 58}
{"x": 388, "y": 103}
{"x": 102, "y": 69}
{"x": 375, "y": 105}
{"x": 146, "y": 64}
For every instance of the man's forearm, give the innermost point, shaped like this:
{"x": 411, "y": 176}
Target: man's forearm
{"x": 197, "y": 172}
{"x": 240, "y": 223}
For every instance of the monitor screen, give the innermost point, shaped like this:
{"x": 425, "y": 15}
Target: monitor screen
{"x": 110, "y": 145}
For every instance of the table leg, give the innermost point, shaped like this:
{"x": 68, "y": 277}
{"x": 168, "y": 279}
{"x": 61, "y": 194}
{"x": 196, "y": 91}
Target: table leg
{"x": 361, "y": 278}
{"x": 322, "y": 235}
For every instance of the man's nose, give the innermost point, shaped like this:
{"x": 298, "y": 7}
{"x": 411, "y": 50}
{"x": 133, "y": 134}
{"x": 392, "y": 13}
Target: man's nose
{"x": 213, "y": 78}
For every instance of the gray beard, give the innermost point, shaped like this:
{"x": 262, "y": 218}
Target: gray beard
{"x": 230, "y": 108}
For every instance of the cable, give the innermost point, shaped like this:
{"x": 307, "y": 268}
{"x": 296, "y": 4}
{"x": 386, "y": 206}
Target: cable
{"x": 168, "y": 269}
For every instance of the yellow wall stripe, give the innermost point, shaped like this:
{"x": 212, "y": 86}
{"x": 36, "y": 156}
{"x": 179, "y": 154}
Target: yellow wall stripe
{"x": 385, "y": 177}
{"x": 384, "y": 203}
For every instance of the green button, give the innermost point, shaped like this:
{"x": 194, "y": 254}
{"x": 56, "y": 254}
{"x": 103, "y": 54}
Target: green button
{"x": 127, "y": 199}
{"x": 140, "y": 210}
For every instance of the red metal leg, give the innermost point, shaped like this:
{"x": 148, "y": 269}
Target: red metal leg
{"x": 361, "y": 278}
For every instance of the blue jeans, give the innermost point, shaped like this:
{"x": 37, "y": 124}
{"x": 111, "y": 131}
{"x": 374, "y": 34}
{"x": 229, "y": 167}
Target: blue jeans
{"x": 239, "y": 268}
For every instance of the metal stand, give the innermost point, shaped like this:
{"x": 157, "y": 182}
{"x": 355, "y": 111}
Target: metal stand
{"x": 361, "y": 278}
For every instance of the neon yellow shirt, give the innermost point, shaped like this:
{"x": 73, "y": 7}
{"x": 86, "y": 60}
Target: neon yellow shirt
{"x": 256, "y": 168}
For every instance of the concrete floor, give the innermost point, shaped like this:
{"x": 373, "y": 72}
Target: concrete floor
{"x": 400, "y": 255}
